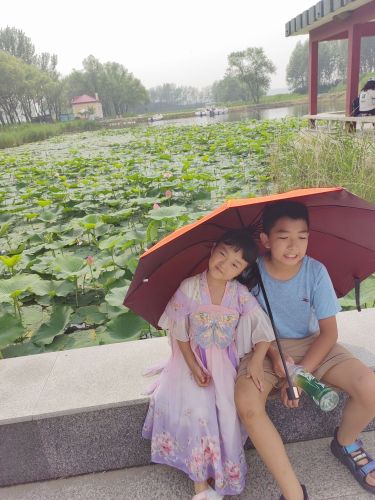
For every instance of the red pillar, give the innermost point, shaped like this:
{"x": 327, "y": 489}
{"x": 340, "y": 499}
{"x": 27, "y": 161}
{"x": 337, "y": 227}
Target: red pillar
{"x": 354, "y": 54}
{"x": 313, "y": 76}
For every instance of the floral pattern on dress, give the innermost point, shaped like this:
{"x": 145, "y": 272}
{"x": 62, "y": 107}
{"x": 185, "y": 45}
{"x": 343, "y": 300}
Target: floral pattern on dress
{"x": 233, "y": 475}
{"x": 164, "y": 445}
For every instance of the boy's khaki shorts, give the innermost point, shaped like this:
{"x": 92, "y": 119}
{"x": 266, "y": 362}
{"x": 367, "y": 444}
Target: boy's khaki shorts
{"x": 297, "y": 348}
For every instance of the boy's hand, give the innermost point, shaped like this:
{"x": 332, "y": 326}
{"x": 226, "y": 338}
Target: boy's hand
{"x": 202, "y": 378}
{"x": 255, "y": 372}
{"x": 288, "y": 403}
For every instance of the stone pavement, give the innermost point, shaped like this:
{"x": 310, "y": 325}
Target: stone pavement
{"x": 324, "y": 476}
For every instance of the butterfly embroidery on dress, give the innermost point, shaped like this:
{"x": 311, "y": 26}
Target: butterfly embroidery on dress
{"x": 215, "y": 329}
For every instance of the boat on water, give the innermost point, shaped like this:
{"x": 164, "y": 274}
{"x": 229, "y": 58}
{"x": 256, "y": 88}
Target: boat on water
{"x": 155, "y": 118}
{"x": 211, "y": 111}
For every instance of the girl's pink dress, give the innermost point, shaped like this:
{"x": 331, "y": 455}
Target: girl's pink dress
{"x": 192, "y": 428}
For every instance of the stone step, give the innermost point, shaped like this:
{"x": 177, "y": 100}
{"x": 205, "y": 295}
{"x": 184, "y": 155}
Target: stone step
{"x": 81, "y": 411}
{"x": 324, "y": 476}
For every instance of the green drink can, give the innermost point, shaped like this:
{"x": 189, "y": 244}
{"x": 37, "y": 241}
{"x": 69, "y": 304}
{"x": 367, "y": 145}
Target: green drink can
{"x": 325, "y": 397}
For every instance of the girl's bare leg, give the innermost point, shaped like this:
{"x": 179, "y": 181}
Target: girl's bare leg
{"x": 201, "y": 486}
{"x": 250, "y": 403}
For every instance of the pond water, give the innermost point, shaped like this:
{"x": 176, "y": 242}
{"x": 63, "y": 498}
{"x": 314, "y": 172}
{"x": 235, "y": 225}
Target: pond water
{"x": 257, "y": 114}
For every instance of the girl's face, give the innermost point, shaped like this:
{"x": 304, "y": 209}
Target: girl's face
{"x": 226, "y": 263}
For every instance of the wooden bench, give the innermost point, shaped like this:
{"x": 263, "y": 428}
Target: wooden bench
{"x": 350, "y": 122}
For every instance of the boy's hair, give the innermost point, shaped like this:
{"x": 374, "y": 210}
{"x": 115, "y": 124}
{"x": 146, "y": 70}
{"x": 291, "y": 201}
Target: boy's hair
{"x": 275, "y": 211}
{"x": 241, "y": 239}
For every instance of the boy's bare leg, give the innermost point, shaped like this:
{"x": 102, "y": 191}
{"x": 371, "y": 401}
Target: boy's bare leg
{"x": 250, "y": 403}
{"x": 358, "y": 381}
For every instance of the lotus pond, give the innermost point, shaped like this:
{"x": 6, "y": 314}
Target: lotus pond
{"x": 77, "y": 211}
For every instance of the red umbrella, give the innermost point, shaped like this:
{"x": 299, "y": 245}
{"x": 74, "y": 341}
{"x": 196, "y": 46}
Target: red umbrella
{"x": 342, "y": 237}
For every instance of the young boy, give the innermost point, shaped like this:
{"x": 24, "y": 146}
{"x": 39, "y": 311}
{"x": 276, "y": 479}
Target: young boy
{"x": 304, "y": 306}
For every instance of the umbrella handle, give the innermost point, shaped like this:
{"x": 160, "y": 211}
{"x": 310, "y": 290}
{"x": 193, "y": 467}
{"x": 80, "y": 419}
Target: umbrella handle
{"x": 292, "y": 390}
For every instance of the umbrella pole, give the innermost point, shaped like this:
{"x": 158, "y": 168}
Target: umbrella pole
{"x": 292, "y": 390}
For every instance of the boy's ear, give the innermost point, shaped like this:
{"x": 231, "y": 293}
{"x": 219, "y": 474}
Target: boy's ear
{"x": 265, "y": 240}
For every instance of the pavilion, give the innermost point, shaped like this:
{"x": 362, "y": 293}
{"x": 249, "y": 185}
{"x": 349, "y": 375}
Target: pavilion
{"x": 335, "y": 20}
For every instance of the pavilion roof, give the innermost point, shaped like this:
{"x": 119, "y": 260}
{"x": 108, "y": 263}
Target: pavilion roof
{"x": 83, "y": 99}
{"x": 321, "y": 13}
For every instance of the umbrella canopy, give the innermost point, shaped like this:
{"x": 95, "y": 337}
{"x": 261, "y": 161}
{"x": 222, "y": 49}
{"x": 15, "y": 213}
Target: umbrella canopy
{"x": 342, "y": 237}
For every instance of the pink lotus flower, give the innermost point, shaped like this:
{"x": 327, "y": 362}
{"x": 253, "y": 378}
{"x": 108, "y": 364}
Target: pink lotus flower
{"x": 90, "y": 260}
{"x": 168, "y": 193}
{"x": 167, "y": 175}
{"x": 155, "y": 206}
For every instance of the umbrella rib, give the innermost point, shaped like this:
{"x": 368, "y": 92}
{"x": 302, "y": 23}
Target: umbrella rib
{"x": 240, "y": 218}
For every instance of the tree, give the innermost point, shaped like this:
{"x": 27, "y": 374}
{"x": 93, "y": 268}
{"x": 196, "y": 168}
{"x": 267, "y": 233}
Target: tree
{"x": 332, "y": 63}
{"x": 117, "y": 88}
{"x": 368, "y": 54}
{"x": 253, "y": 69}
{"x": 229, "y": 89}
{"x": 297, "y": 68}
{"x": 16, "y": 43}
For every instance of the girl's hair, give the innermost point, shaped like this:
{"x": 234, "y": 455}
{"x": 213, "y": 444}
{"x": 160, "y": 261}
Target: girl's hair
{"x": 370, "y": 85}
{"x": 241, "y": 239}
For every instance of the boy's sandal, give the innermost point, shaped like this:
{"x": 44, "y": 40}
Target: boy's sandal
{"x": 305, "y": 495}
{"x": 344, "y": 454}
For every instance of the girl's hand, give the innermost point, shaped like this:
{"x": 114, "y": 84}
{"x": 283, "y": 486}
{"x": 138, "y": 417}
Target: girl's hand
{"x": 202, "y": 378}
{"x": 255, "y": 372}
{"x": 277, "y": 364}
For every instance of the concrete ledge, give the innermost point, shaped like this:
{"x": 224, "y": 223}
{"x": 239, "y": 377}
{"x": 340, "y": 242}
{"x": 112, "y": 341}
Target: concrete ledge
{"x": 81, "y": 411}
{"x": 324, "y": 476}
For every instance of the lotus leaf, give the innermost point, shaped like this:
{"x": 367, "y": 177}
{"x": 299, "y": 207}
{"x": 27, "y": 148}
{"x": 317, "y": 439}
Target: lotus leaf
{"x": 112, "y": 242}
{"x": 16, "y": 285}
{"x": 10, "y": 329}
{"x": 21, "y": 349}
{"x": 88, "y": 314}
{"x": 70, "y": 266}
{"x": 116, "y": 296}
{"x": 56, "y": 325}
{"x": 127, "y": 326}
{"x": 172, "y": 212}
{"x": 10, "y": 261}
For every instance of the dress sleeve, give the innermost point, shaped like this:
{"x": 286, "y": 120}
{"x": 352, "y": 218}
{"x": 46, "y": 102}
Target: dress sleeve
{"x": 175, "y": 318}
{"x": 253, "y": 326}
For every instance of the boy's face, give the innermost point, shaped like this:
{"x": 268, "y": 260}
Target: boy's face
{"x": 287, "y": 241}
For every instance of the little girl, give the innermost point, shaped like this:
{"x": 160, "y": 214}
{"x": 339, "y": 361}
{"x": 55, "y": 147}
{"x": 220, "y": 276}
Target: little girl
{"x": 212, "y": 320}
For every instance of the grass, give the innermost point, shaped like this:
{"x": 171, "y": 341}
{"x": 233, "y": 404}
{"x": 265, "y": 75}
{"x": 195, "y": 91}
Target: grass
{"x": 16, "y": 135}
{"x": 321, "y": 159}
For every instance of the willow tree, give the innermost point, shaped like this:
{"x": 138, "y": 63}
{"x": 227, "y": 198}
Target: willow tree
{"x": 253, "y": 68}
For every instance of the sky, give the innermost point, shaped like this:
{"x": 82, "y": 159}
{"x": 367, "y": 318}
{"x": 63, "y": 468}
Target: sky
{"x": 185, "y": 42}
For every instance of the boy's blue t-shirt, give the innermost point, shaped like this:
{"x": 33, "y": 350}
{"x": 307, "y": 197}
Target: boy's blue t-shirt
{"x": 297, "y": 304}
